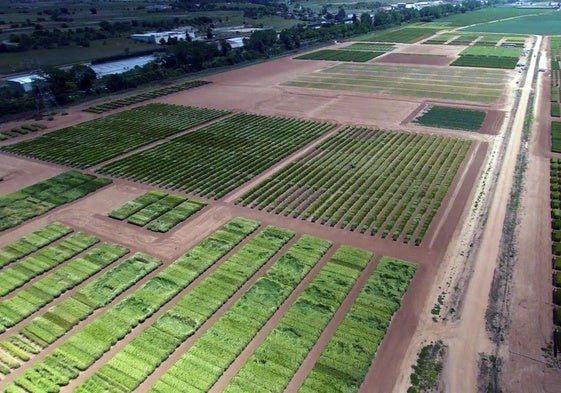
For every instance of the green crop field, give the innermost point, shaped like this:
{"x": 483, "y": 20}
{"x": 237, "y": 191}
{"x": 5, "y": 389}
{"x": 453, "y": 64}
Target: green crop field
{"x": 41, "y": 197}
{"x": 555, "y": 200}
{"x": 402, "y": 35}
{"x": 104, "y": 272}
{"x": 484, "y": 15}
{"x": 454, "y": 118}
{"x": 432, "y": 82}
{"x": 488, "y": 57}
{"x": 375, "y": 182}
{"x": 340, "y": 55}
{"x": 94, "y": 141}
{"x": 370, "y": 46}
{"x": 216, "y": 159}
{"x": 144, "y": 96}
{"x": 556, "y": 136}
{"x": 546, "y": 23}
{"x": 157, "y": 210}
{"x": 21, "y": 130}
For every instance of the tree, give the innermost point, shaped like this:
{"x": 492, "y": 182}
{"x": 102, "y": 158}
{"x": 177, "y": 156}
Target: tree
{"x": 261, "y": 40}
{"x": 366, "y": 23}
{"x": 84, "y": 76}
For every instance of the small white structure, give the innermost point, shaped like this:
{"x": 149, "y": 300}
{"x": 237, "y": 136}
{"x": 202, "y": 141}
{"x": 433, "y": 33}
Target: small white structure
{"x": 236, "y": 42}
{"x": 542, "y": 64}
{"x": 23, "y": 83}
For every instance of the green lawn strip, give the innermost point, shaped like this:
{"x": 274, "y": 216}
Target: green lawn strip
{"x": 556, "y": 136}
{"x": 82, "y": 349}
{"x": 275, "y": 361}
{"x": 345, "y": 360}
{"x": 129, "y": 208}
{"x": 144, "y": 354}
{"x": 155, "y": 210}
{"x": 340, "y": 55}
{"x": 32, "y": 201}
{"x": 454, "y": 118}
{"x": 59, "y": 319}
{"x": 176, "y": 215}
{"x": 33, "y": 242}
{"x": 26, "y": 302}
{"x": 94, "y": 141}
{"x": 107, "y": 106}
{"x": 218, "y": 158}
{"x": 46, "y": 259}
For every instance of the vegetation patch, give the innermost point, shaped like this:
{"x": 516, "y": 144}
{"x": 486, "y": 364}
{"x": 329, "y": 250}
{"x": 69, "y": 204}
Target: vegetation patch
{"x": 41, "y": 197}
{"x": 556, "y": 136}
{"x": 157, "y": 210}
{"x": 555, "y": 201}
{"x": 370, "y": 46}
{"x": 94, "y": 141}
{"x": 454, "y": 118}
{"x": 404, "y": 35}
{"x": 22, "y": 130}
{"x": 488, "y": 57}
{"x": 216, "y": 159}
{"x": 378, "y": 182}
{"x": 425, "y": 377}
{"x": 341, "y": 55}
{"x": 144, "y": 96}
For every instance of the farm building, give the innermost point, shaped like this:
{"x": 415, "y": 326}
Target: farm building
{"x": 24, "y": 83}
{"x": 542, "y": 64}
{"x": 157, "y": 37}
{"x": 236, "y": 42}
{"x": 120, "y": 66}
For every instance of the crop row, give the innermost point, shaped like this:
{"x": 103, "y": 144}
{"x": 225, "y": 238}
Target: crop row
{"x": 32, "y": 266}
{"x": 42, "y": 292}
{"x": 403, "y": 35}
{"x": 22, "y": 130}
{"x": 158, "y": 210}
{"x": 344, "y": 362}
{"x": 361, "y": 179}
{"x": 32, "y": 242}
{"x": 94, "y": 141}
{"x": 280, "y": 355}
{"x": 41, "y": 197}
{"x": 486, "y": 61}
{"x": 556, "y": 136}
{"x": 216, "y": 159}
{"x": 244, "y": 319}
{"x": 46, "y": 328}
{"x": 454, "y": 118}
{"x": 369, "y": 46}
{"x": 555, "y": 198}
{"x": 83, "y": 348}
{"x": 340, "y": 55}
{"x": 144, "y": 96}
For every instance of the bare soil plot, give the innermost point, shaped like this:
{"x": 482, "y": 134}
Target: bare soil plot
{"x": 411, "y": 58}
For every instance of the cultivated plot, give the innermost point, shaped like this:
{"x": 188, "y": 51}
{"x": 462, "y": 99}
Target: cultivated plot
{"x": 341, "y": 55}
{"x": 377, "y": 182}
{"x": 403, "y": 35}
{"x": 485, "y": 86}
{"x": 451, "y": 118}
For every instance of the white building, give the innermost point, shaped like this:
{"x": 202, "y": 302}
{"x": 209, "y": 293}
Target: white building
{"x": 120, "y": 66}
{"x": 157, "y": 37}
{"x": 23, "y": 83}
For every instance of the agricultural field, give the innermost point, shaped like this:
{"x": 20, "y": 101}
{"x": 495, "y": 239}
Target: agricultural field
{"x": 114, "y": 272}
{"x": 543, "y": 23}
{"x": 41, "y": 197}
{"x": 488, "y": 57}
{"x": 555, "y": 198}
{"x": 485, "y": 86}
{"x": 98, "y": 140}
{"x": 487, "y": 14}
{"x": 407, "y": 35}
{"x": 340, "y": 55}
{"x": 218, "y": 158}
{"x": 21, "y": 130}
{"x": 476, "y": 39}
{"x": 556, "y": 137}
{"x": 157, "y": 210}
{"x": 555, "y": 48}
{"x": 454, "y": 118}
{"x": 370, "y": 181}
{"x": 107, "y": 106}
{"x": 370, "y": 46}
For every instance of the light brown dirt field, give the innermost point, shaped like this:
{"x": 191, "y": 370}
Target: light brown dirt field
{"x": 255, "y": 89}
{"x": 18, "y": 173}
{"x": 422, "y": 49}
{"x": 417, "y": 59}
{"x": 531, "y": 317}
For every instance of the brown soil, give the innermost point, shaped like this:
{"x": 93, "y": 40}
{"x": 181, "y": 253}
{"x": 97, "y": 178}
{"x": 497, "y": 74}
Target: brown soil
{"x": 418, "y": 59}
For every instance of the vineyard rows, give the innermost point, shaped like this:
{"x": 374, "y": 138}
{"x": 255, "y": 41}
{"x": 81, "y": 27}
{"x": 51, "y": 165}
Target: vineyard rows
{"x": 98, "y": 140}
{"x": 41, "y": 197}
{"x": 376, "y": 182}
{"x": 107, "y": 106}
{"x": 216, "y": 159}
{"x": 454, "y": 118}
{"x": 157, "y": 210}
{"x": 204, "y": 361}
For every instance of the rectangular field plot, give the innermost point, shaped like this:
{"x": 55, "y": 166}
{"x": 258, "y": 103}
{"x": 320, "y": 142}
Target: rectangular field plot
{"x": 555, "y": 200}
{"x": 370, "y": 46}
{"x": 218, "y": 158}
{"x": 340, "y": 55}
{"x": 488, "y": 57}
{"x": 158, "y": 210}
{"x": 404, "y": 35}
{"x": 444, "y": 83}
{"x": 94, "y": 141}
{"x": 144, "y": 96}
{"x": 556, "y": 136}
{"x": 377, "y": 182}
{"x": 454, "y": 118}
{"x": 39, "y": 198}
